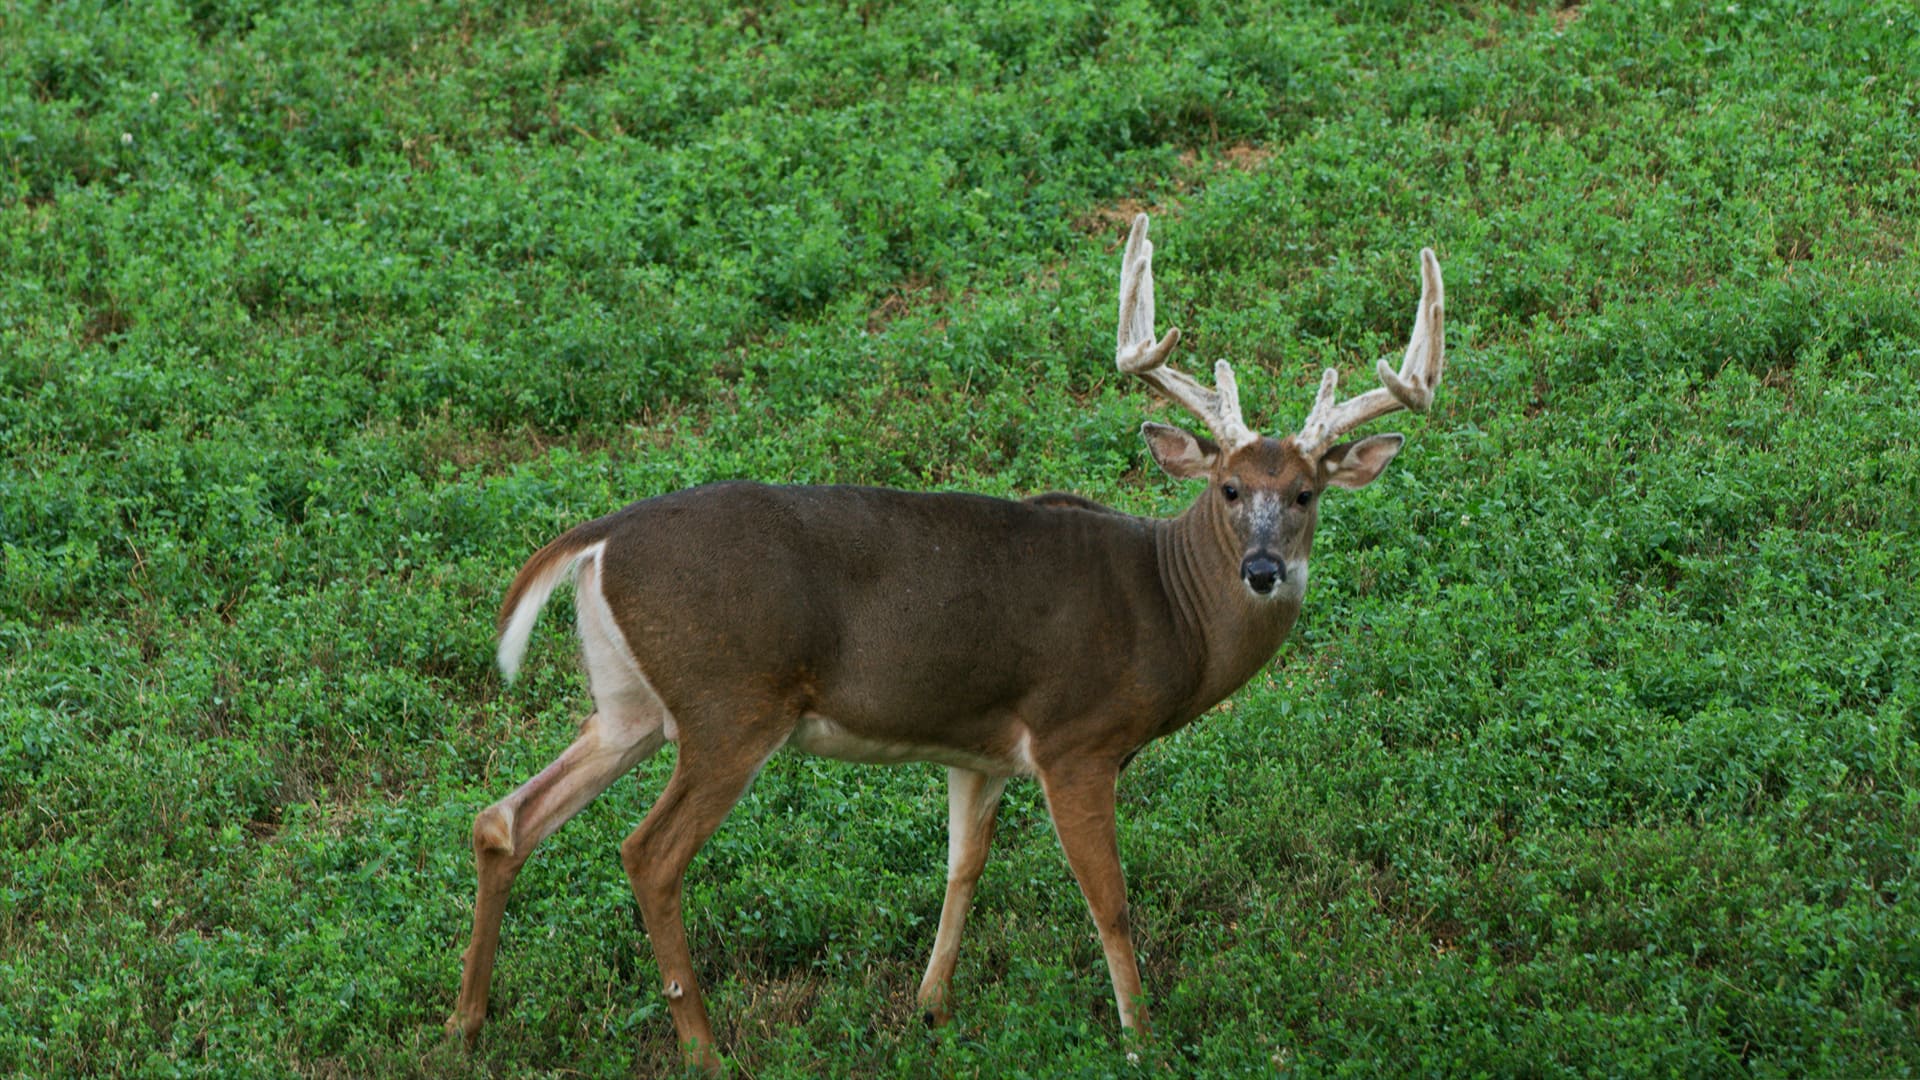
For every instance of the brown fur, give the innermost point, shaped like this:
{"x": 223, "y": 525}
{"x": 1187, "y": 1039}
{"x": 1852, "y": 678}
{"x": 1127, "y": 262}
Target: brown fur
{"x": 1068, "y": 500}
{"x": 1053, "y": 635}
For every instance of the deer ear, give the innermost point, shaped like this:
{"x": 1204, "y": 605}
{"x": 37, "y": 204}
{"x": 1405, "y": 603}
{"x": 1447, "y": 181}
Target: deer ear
{"x": 1355, "y": 464}
{"x": 1182, "y": 454}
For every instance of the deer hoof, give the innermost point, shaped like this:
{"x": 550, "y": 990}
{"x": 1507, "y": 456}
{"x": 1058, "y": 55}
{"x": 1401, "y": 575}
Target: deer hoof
{"x": 463, "y": 1029}
{"x": 701, "y": 1056}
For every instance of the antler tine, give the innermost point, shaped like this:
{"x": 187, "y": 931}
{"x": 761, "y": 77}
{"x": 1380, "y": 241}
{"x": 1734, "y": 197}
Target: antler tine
{"x": 1137, "y": 353}
{"x": 1409, "y": 388}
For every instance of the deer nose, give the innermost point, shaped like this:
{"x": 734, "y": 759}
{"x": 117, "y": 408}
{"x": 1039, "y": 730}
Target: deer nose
{"x": 1261, "y": 573}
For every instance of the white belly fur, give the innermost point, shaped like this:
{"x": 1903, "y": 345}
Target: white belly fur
{"x": 822, "y": 737}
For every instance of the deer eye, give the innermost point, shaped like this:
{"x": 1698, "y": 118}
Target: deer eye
{"x": 1231, "y": 491}
{"x": 1303, "y": 498}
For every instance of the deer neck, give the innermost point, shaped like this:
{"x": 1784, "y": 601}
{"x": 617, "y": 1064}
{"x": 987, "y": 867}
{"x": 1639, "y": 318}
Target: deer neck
{"x": 1230, "y": 633}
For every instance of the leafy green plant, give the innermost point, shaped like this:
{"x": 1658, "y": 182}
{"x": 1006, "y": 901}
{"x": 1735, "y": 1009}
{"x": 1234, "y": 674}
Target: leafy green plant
{"x": 1595, "y": 750}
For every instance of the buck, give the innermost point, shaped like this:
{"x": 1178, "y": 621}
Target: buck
{"x": 1050, "y": 638}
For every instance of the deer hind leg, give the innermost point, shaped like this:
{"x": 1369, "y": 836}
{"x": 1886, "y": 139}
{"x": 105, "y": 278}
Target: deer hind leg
{"x": 505, "y": 833}
{"x": 628, "y": 726}
{"x": 973, "y": 799}
{"x": 1081, "y": 801}
{"x": 707, "y": 780}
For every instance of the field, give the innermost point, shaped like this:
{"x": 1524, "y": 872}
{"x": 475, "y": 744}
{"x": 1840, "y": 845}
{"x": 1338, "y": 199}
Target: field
{"x": 1595, "y": 752}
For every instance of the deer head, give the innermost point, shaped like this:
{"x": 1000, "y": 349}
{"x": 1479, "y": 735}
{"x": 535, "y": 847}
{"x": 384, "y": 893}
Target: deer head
{"x": 1263, "y": 494}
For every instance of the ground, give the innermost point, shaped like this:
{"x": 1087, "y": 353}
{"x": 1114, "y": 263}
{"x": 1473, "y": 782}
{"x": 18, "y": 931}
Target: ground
{"x": 1594, "y": 751}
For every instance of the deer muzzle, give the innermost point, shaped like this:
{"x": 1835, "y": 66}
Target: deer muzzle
{"x": 1262, "y": 572}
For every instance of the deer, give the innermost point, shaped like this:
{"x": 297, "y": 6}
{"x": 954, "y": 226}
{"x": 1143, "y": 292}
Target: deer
{"x": 1049, "y": 638}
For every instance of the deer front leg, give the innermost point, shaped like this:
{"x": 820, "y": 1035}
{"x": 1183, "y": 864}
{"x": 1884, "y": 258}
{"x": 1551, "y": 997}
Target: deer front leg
{"x": 1080, "y": 798}
{"x": 505, "y": 833}
{"x": 973, "y": 799}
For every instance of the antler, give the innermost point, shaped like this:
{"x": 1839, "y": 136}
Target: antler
{"x": 1411, "y": 388}
{"x": 1137, "y": 353}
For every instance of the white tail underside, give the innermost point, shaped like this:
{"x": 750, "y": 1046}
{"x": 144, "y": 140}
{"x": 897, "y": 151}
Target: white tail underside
{"x": 513, "y": 640}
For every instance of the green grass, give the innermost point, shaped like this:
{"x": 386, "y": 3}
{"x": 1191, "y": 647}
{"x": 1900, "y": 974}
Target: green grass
{"x": 1595, "y": 751}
